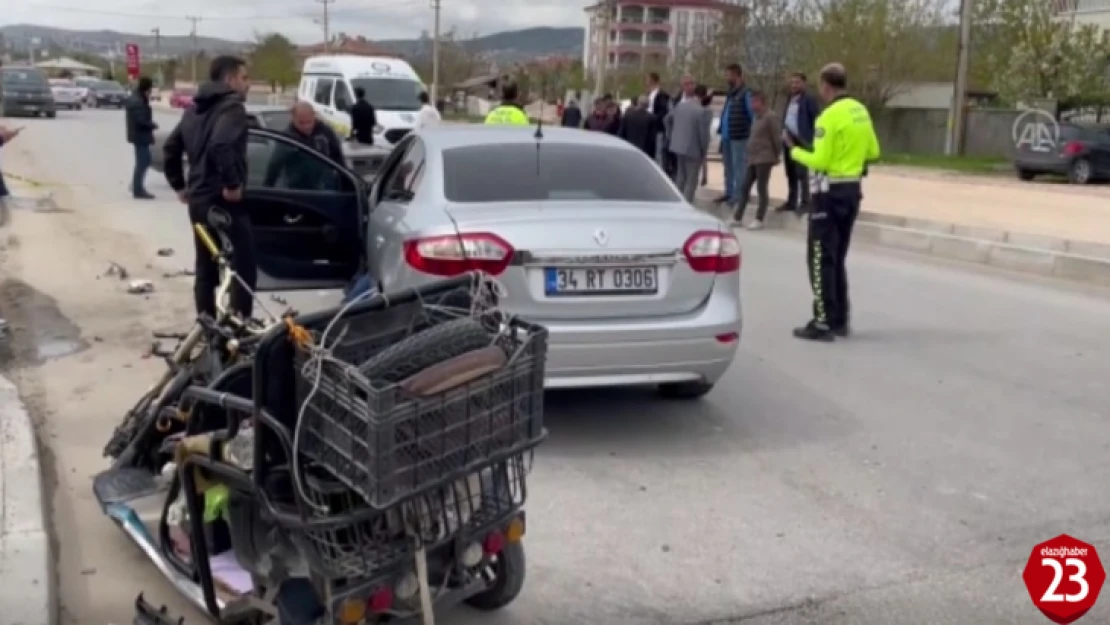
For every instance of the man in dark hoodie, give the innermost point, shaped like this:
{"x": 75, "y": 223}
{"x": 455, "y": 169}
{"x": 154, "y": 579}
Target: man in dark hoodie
{"x": 140, "y": 133}
{"x": 212, "y": 134}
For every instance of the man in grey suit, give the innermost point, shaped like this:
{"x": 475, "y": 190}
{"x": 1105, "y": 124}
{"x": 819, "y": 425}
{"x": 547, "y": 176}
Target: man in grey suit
{"x": 688, "y": 126}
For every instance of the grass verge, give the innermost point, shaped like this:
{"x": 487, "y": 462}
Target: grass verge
{"x": 964, "y": 164}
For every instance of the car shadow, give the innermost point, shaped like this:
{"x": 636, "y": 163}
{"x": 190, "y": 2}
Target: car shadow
{"x": 754, "y": 408}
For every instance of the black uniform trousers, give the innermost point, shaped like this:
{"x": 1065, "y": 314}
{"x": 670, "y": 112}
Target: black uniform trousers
{"x": 243, "y": 259}
{"x": 797, "y": 182}
{"x": 830, "y": 233}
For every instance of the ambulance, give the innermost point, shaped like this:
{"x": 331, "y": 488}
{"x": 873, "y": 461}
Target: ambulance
{"x": 391, "y": 86}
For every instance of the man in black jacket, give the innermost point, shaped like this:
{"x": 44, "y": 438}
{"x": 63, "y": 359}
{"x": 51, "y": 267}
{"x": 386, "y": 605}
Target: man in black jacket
{"x": 639, "y": 127}
{"x": 140, "y": 133}
{"x": 212, "y": 134}
{"x": 572, "y": 116}
{"x": 658, "y": 104}
{"x": 363, "y": 119}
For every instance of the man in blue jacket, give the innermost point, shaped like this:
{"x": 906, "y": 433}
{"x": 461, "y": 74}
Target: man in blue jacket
{"x": 735, "y": 128}
{"x": 798, "y": 120}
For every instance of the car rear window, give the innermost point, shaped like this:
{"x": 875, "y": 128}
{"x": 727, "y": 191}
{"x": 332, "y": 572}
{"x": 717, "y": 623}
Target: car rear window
{"x": 528, "y": 172}
{"x": 23, "y": 77}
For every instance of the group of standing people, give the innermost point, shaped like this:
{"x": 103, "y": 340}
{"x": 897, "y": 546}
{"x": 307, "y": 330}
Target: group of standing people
{"x": 825, "y": 154}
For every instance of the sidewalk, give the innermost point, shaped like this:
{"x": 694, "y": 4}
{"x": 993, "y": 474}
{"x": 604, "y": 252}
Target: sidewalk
{"x": 26, "y": 565}
{"x": 1056, "y": 210}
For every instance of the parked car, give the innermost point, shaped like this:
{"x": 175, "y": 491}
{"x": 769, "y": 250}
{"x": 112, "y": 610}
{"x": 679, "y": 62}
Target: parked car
{"x": 182, "y": 98}
{"x": 588, "y": 237}
{"x": 1082, "y": 153}
{"x": 107, "y": 93}
{"x": 364, "y": 160}
{"x": 67, "y": 94}
{"x": 25, "y": 91}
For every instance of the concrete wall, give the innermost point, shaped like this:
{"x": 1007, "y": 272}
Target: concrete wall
{"x": 922, "y": 131}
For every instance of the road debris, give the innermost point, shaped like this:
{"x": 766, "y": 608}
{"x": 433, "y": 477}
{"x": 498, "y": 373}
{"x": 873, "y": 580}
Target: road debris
{"x": 165, "y": 251}
{"x": 178, "y": 274}
{"x": 138, "y": 287}
{"x": 277, "y": 299}
{"x": 117, "y": 270}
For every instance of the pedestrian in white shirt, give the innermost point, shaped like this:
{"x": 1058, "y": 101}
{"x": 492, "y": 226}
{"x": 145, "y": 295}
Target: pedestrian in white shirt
{"x": 428, "y": 115}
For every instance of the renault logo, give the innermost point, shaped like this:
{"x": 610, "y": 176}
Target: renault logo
{"x": 601, "y": 237}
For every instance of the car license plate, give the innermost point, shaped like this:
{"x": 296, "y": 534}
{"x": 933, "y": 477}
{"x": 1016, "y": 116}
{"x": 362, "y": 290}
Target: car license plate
{"x": 601, "y": 281}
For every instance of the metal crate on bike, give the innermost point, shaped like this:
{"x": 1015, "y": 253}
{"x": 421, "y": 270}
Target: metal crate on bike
{"x": 400, "y": 398}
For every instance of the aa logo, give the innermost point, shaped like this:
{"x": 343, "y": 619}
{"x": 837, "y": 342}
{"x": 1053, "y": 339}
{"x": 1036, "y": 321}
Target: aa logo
{"x": 1035, "y": 130}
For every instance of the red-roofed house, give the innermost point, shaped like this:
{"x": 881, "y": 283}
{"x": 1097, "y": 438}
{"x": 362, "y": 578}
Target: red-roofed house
{"x": 344, "y": 44}
{"x": 652, "y": 32}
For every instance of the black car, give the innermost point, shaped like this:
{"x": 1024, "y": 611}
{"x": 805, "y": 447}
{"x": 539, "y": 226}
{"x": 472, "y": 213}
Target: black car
{"x": 1082, "y": 153}
{"x": 25, "y": 91}
{"x": 107, "y": 93}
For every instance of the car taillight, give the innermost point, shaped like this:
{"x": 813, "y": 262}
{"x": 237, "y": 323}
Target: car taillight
{"x": 455, "y": 254}
{"x": 1072, "y": 148}
{"x": 709, "y": 251}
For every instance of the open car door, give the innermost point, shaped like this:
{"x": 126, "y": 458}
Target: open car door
{"x": 308, "y": 214}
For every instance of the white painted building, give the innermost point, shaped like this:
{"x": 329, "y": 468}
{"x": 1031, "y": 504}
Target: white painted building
{"x": 1095, "y": 12}
{"x": 644, "y": 33}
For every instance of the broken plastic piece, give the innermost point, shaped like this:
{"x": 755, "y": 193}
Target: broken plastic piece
{"x": 140, "y": 286}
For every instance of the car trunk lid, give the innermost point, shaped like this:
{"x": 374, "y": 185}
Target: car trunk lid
{"x": 594, "y": 261}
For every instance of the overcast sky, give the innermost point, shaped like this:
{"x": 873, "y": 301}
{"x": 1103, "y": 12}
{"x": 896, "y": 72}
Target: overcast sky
{"x": 240, "y": 19}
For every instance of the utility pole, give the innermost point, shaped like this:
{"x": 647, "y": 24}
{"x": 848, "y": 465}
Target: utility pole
{"x": 327, "y": 28}
{"x": 606, "y": 8}
{"x": 193, "y": 37}
{"x": 958, "y": 115}
{"x": 436, "y": 6}
{"x": 158, "y": 55}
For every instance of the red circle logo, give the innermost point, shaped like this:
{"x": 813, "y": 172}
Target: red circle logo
{"x": 1063, "y": 577}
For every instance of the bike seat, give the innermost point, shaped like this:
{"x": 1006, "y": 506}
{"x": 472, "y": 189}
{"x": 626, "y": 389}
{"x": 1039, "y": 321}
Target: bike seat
{"x": 219, "y": 218}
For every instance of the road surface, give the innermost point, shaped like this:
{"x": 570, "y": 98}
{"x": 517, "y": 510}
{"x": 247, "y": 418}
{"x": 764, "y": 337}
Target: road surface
{"x": 901, "y": 476}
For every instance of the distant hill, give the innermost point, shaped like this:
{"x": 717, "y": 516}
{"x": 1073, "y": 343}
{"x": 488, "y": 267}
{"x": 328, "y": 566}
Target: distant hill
{"x": 508, "y": 46}
{"x": 105, "y": 42}
{"x": 511, "y": 45}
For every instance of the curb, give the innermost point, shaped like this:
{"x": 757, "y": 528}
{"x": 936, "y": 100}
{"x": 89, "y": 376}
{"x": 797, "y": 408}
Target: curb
{"x": 1078, "y": 261}
{"x": 27, "y": 593}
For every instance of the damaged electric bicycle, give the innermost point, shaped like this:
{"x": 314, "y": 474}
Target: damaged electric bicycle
{"x": 365, "y": 464}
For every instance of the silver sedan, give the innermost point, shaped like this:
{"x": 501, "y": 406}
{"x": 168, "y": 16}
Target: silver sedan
{"x": 586, "y": 235}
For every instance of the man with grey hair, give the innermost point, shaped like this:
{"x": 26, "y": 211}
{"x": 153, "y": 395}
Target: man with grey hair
{"x": 639, "y": 127}
{"x": 688, "y": 127}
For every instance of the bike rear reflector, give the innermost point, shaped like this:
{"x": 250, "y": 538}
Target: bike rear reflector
{"x": 493, "y": 543}
{"x": 515, "y": 531}
{"x": 381, "y": 601}
{"x": 351, "y": 611}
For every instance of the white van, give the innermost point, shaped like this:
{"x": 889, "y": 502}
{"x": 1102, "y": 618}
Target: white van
{"x": 391, "y": 86}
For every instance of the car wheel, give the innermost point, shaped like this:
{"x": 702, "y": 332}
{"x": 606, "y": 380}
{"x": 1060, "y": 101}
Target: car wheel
{"x": 1025, "y": 174}
{"x": 52, "y": 114}
{"x": 505, "y": 578}
{"x": 1080, "y": 171}
{"x": 78, "y": 107}
{"x": 685, "y": 390}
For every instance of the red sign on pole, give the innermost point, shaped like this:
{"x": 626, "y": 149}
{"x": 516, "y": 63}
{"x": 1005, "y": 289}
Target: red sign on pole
{"x": 133, "y": 61}
{"x": 1064, "y": 576}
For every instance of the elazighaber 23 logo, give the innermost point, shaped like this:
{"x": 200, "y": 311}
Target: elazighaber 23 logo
{"x": 1064, "y": 576}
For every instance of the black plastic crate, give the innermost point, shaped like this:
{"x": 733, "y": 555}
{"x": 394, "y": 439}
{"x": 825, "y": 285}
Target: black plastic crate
{"x": 386, "y": 444}
{"x": 467, "y": 507}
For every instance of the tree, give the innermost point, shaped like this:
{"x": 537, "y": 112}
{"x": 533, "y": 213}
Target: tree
{"x": 720, "y": 45}
{"x": 274, "y": 59}
{"x": 1024, "y": 51}
{"x": 883, "y": 44}
{"x": 457, "y": 60}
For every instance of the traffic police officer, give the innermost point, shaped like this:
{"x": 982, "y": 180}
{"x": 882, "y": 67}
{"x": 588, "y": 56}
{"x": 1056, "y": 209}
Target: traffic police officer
{"x": 509, "y": 112}
{"x": 844, "y": 143}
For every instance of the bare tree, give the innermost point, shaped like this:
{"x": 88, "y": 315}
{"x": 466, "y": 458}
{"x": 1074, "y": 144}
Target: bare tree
{"x": 885, "y": 45}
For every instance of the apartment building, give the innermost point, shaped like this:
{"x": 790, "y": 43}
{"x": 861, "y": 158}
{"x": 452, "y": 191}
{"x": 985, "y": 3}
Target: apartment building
{"x": 645, "y": 33}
